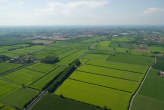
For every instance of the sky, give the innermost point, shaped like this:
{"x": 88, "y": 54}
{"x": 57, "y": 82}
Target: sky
{"x": 81, "y": 12}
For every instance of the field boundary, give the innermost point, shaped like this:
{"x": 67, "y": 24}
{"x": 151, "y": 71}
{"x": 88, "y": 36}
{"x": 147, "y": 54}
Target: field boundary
{"x": 108, "y": 76}
{"x": 13, "y": 70}
{"x": 138, "y": 89}
{"x": 100, "y": 85}
{"x": 114, "y": 68}
{"x": 44, "y": 75}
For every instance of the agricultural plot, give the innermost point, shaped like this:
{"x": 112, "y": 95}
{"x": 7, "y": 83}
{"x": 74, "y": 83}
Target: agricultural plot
{"x": 93, "y": 94}
{"x": 96, "y": 57}
{"x": 156, "y": 49}
{"x": 121, "y": 39}
{"x": 141, "y": 53}
{"x": 159, "y": 63}
{"x": 23, "y": 76}
{"x": 71, "y": 58}
{"x": 147, "y": 103}
{"x": 4, "y": 107}
{"x": 51, "y": 102}
{"x": 46, "y": 79}
{"x": 104, "y": 81}
{"x": 122, "y": 50}
{"x": 20, "y": 97}
{"x": 119, "y": 66}
{"x": 111, "y": 72}
{"x": 4, "y": 67}
{"x": 6, "y": 88}
{"x": 151, "y": 96}
{"x": 23, "y": 51}
{"x": 103, "y": 45}
{"x": 41, "y": 67}
{"x": 153, "y": 86}
{"x": 131, "y": 59}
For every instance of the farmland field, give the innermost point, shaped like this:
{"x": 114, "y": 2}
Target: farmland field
{"x": 41, "y": 67}
{"x": 20, "y": 97}
{"x": 86, "y": 93}
{"x": 4, "y": 67}
{"x": 151, "y": 95}
{"x": 118, "y": 65}
{"x": 131, "y": 59}
{"x": 82, "y": 68}
{"x": 111, "y": 72}
{"x": 51, "y": 101}
{"x": 43, "y": 81}
{"x": 6, "y": 88}
{"x": 109, "y": 82}
{"x": 23, "y": 76}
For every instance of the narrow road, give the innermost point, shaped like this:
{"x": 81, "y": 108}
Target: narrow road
{"x": 139, "y": 88}
{"x": 28, "y": 107}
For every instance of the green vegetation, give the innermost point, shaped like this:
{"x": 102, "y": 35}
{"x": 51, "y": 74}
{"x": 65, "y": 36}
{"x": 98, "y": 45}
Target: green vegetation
{"x": 20, "y": 97}
{"x": 50, "y": 59}
{"x": 147, "y": 103}
{"x": 108, "y": 73}
{"x": 4, "y": 107}
{"x": 49, "y": 102}
{"x": 105, "y": 81}
{"x": 6, "y": 88}
{"x": 160, "y": 64}
{"x": 40, "y": 84}
{"x": 118, "y": 65}
{"x": 111, "y": 72}
{"x": 41, "y": 67}
{"x": 4, "y": 67}
{"x": 96, "y": 95}
{"x": 151, "y": 96}
{"x": 153, "y": 86}
{"x": 131, "y": 59}
{"x": 24, "y": 76}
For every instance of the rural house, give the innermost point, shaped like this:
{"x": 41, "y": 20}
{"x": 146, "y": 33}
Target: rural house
{"x": 161, "y": 73}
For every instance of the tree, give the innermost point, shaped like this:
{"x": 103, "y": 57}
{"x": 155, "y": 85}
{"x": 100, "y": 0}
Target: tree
{"x": 50, "y": 59}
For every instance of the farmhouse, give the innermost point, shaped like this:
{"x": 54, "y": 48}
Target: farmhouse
{"x": 161, "y": 73}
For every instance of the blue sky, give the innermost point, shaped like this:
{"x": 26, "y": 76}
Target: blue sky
{"x": 81, "y": 12}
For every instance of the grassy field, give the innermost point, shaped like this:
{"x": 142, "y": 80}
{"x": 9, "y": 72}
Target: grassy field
{"x": 102, "y": 60}
{"x": 156, "y": 49}
{"x": 54, "y": 102}
{"x": 105, "y": 81}
{"x": 151, "y": 96}
{"x": 23, "y": 51}
{"x": 8, "y": 66}
{"x": 42, "y": 67}
{"x": 160, "y": 64}
{"x": 43, "y": 81}
{"x": 131, "y": 59}
{"x": 96, "y": 95}
{"x": 4, "y": 107}
{"x": 103, "y": 45}
{"x": 147, "y": 103}
{"x": 118, "y": 65}
{"x": 153, "y": 86}
{"x": 111, "y": 72}
{"x": 20, "y": 97}
{"x": 6, "y": 88}
{"x": 24, "y": 76}
{"x": 96, "y": 56}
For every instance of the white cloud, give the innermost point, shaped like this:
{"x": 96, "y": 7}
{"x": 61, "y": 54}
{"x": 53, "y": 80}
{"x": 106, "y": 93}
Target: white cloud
{"x": 69, "y": 8}
{"x": 74, "y": 12}
{"x": 153, "y": 10}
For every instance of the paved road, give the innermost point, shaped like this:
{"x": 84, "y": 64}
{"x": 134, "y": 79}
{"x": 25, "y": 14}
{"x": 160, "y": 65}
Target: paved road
{"x": 36, "y": 100}
{"x": 139, "y": 88}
